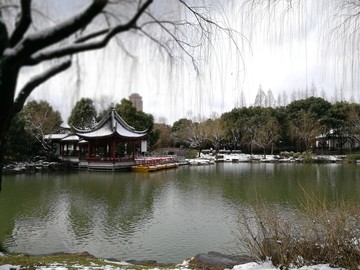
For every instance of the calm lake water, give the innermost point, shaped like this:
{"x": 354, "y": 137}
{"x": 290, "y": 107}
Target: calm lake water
{"x": 166, "y": 216}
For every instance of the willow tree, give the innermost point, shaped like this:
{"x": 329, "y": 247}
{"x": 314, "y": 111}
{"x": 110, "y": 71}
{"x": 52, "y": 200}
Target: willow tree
{"x": 52, "y": 45}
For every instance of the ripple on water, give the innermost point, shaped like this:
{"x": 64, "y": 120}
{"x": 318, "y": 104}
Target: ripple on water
{"x": 168, "y": 216}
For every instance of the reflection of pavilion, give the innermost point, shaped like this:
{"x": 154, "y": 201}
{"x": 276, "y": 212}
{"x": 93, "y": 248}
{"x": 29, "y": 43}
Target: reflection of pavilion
{"x": 110, "y": 145}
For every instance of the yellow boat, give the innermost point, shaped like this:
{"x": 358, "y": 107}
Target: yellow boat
{"x": 144, "y": 168}
{"x": 153, "y": 167}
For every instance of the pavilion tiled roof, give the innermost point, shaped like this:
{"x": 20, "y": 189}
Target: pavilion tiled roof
{"x": 111, "y": 125}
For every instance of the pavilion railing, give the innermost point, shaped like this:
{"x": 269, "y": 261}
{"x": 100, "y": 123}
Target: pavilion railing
{"x": 154, "y": 160}
{"x": 110, "y": 159}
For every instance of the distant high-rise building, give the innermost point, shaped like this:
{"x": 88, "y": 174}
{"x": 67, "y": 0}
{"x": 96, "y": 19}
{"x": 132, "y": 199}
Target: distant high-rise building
{"x": 136, "y": 100}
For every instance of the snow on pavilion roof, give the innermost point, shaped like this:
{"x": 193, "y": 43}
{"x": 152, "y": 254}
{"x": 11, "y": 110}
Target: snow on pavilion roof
{"x": 71, "y": 138}
{"x": 111, "y": 124}
{"x": 55, "y": 136}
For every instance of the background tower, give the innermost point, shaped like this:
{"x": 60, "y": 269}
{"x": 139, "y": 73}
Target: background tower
{"x": 136, "y": 100}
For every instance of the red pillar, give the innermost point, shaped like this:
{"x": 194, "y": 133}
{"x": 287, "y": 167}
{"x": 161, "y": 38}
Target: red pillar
{"x": 79, "y": 154}
{"x": 113, "y": 145}
{"x": 134, "y": 148}
{"x": 88, "y": 153}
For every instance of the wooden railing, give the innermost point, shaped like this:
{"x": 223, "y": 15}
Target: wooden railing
{"x": 110, "y": 159}
{"x": 154, "y": 160}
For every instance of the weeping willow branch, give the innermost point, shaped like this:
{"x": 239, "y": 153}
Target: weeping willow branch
{"x": 165, "y": 48}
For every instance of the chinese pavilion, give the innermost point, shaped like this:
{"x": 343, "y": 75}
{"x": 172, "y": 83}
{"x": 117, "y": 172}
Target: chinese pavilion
{"x": 110, "y": 145}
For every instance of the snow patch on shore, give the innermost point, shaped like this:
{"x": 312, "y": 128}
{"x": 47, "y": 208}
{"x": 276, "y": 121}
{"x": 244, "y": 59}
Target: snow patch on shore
{"x": 124, "y": 266}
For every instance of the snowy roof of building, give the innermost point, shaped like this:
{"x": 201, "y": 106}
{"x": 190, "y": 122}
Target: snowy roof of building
{"x": 70, "y": 138}
{"x": 112, "y": 124}
{"x": 55, "y": 136}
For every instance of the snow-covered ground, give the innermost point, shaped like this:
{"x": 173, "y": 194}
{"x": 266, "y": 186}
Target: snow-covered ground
{"x": 270, "y": 266}
{"x": 124, "y": 266}
{"x": 238, "y": 157}
{"x": 121, "y": 265}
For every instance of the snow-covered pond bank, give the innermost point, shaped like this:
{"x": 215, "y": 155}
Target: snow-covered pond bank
{"x": 92, "y": 263}
{"x": 204, "y": 159}
{"x": 125, "y": 266}
{"x": 209, "y": 158}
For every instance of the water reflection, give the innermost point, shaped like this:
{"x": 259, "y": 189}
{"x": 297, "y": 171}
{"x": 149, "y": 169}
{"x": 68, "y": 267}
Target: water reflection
{"x": 167, "y": 216}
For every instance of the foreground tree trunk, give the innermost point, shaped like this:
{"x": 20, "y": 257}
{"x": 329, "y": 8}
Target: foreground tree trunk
{"x": 8, "y": 78}
{"x": 1, "y": 164}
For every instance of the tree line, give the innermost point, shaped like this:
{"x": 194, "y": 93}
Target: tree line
{"x": 268, "y": 99}
{"x": 255, "y": 129}
{"x": 293, "y": 127}
{"x": 38, "y": 118}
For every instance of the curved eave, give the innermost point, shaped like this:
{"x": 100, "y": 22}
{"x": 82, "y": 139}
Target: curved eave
{"x": 111, "y": 125}
{"x": 131, "y": 138}
{"x": 114, "y": 134}
{"x": 70, "y": 138}
{"x": 87, "y": 136}
{"x": 95, "y": 135}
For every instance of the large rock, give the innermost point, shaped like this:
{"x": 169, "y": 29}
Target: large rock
{"x": 217, "y": 261}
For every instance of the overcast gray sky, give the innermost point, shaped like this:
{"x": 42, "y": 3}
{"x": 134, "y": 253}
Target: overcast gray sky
{"x": 281, "y": 48}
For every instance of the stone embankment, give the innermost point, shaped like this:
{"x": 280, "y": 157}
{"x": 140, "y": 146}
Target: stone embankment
{"x": 217, "y": 261}
{"x": 203, "y": 261}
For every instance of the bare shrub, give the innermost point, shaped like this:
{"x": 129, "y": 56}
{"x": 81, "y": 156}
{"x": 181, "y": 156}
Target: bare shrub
{"x": 316, "y": 231}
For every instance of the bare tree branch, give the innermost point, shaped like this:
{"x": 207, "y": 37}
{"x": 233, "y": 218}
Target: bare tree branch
{"x": 65, "y": 51}
{"x": 92, "y": 35}
{"x": 23, "y": 24}
{"x": 107, "y": 16}
{"x": 201, "y": 17}
{"x": 42, "y": 39}
{"x": 82, "y": 47}
{"x": 36, "y": 81}
{"x": 167, "y": 25}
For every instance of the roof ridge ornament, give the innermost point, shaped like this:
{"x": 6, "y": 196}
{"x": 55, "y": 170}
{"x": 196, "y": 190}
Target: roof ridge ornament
{"x": 113, "y": 121}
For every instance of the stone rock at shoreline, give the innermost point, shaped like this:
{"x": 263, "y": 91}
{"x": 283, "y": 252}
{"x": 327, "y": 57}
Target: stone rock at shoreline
{"x": 151, "y": 263}
{"x": 142, "y": 262}
{"x": 217, "y": 261}
{"x": 83, "y": 254}
{"x": 32, "y": 167}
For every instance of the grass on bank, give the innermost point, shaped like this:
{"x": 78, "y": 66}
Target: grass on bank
{"x": 316, "y": 232}
{"x": 353, "y": 157}
{"x": 26, "y": 261}
{"x": 70, "y": 261}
